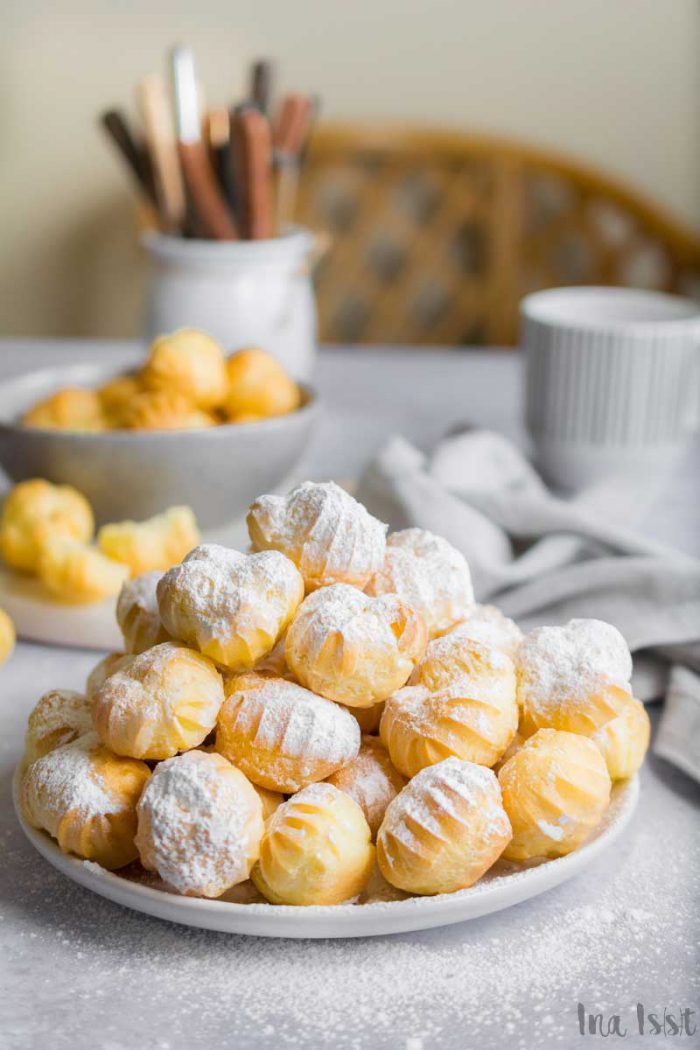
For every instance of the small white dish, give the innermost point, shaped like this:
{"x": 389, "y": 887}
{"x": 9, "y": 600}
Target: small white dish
{"x": 497, "y": 890}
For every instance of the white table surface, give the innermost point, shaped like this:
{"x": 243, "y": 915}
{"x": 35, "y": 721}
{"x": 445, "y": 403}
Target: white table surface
{"x": 78, "y": 972}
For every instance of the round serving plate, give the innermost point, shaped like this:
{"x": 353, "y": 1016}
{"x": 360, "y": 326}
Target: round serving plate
{"x": 502, "y": 887}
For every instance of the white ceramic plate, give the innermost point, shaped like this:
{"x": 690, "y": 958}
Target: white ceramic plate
{"x": 498, "y": 889}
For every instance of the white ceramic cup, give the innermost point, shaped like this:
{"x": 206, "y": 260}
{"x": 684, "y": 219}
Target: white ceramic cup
{"x": 243, "y": 293}
{"x": 613, "y": 380}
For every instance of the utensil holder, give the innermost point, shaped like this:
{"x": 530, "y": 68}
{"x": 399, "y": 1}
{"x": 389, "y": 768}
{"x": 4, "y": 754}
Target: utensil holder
{"x": 243, "y": 293}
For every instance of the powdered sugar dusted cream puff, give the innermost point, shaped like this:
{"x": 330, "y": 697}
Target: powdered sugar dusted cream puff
{"x": 464, "y": 706}
{"x": 157, "y": 543}
{"x": 429, "y": 574}
{"x": 102, "y": 670}
{"x": 624, "y": 740}
{"x": 316, "y": 849}
{"x": 444, "y": 830}
{"x": 190, "y": 363}
{"x": 138, "y": 615}
{"x": 233, "y": 607}
{"x": 36, "y": 511}
{"x": 85, "y": 797}
{"x": 329, "y": 536}
{"x": 371, "y": 780}
{"x": 575, "y": 677}
{"x": 158, "y": 703}
{"x": 200, "y": 823}
{"x": 486, "y": 623}
{"x": 282, "y": 736}
{"x": 555, "y": 791}
{"x": 353, "y": 648}
{"x": 59, "y": 717}
{"x": 459, "y": 654}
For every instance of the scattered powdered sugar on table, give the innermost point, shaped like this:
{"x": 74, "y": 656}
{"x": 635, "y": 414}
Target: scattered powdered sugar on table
{"x": 111, "y": 979}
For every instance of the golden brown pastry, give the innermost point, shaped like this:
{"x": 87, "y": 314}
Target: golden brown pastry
{"x": 157, "y": 543}
{"x": 158, "y": 703}
{"x": 85, "y": 797}
{"x": 7, "y": 637}
{"x": 36, "y": 511}
{"x": 270, "y": 800}
{"x": 444, "y": 830}
{"x": 624, "y": 740}
{"x": 428, "y": 573}
{"x": 233, "y": 607}
{"x": 328, "y": 535}
{"x": 353, "y": 648}
{"x": 190, "y": 363}
{"x": 316, "y": 849}
{"x": 102, "y": 670}
{"x": 59, "y": 717}
{"x": 258, "y": 387}
{"x": 200, "y": 824}
{"x": 371, "y": 780}
{"x": 368, "y": 718}
{"x": 164, "y": 410}
{"x": 555, "y": 791}
{"x": 467, "y": 709}
{"x": 487, "y": 624}
{"x": 78, "y": 574}
{"x": 138, "y": 615}
{"x": 73, "y": 408}
{"x": 282, "y": 736}
{"x": 116, "y": 396}
{"x": 575, "y": 677}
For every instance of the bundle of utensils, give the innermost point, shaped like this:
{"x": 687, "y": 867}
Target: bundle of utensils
{"x": 221, "y": 174}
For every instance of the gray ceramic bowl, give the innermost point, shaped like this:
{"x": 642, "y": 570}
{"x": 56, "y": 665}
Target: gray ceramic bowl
{"x": 218, "y": 471}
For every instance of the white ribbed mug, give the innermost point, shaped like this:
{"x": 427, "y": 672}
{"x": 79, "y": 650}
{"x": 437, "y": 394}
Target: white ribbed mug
{"x": 613, "y": 380}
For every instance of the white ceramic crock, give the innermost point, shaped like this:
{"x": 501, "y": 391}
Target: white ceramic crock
{"x": 243, "y": 293}
{"x": 613, "y": 380}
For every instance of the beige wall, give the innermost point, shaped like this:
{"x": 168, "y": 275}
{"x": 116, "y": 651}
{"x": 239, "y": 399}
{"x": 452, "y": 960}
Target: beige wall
{"x": 614, "y": 81}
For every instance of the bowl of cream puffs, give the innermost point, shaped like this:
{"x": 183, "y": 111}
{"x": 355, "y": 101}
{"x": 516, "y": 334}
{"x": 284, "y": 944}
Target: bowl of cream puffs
{"x": 330, "y": 710}
{"x": 189, "y": 426}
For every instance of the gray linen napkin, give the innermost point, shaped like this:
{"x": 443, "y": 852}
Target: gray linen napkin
{"x": 545, "y": 560}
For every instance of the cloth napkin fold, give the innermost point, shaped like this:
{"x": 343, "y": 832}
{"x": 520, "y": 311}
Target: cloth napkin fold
{"x": 543, "y": 559}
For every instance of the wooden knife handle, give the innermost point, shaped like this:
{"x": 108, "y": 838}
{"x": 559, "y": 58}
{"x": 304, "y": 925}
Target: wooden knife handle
{"x": 261, "y": 85}
{"x": 292, "y": 124}
{"x": 160, "y": 138}
{"x": 206, "y": 198}
{"x": 115, "y": 124}
{"x": 252, "y": 144}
